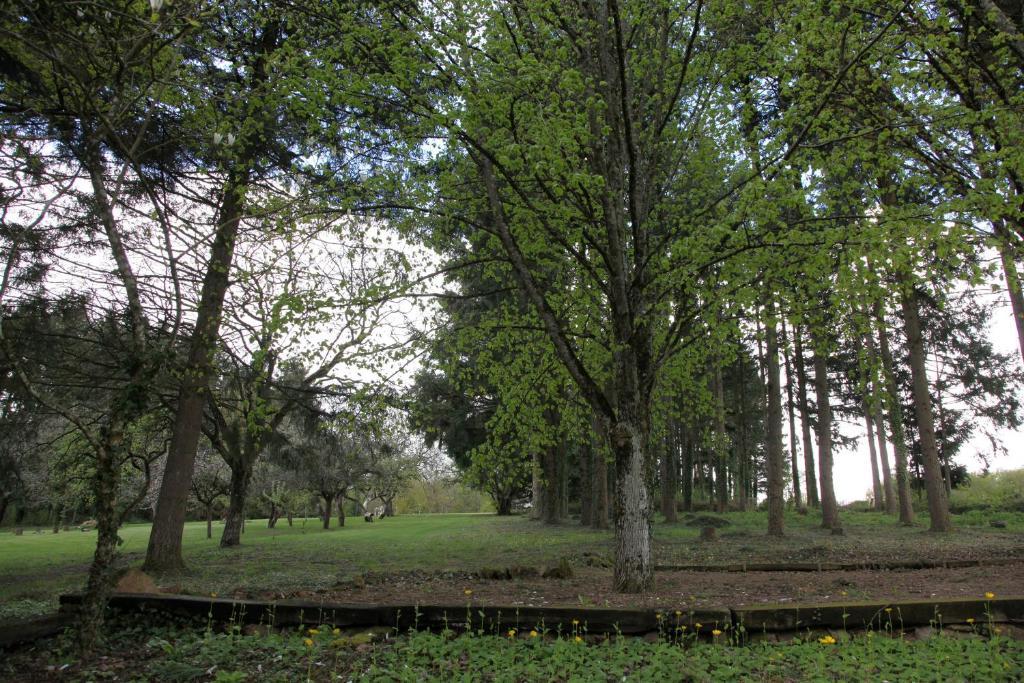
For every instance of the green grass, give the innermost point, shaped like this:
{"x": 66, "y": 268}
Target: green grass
{"x": 36, "y": 568}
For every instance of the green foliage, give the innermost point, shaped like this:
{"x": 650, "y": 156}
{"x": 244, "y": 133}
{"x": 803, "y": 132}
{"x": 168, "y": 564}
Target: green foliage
{"x": 424, "y": 496}
{"x": 186, "y": 652}
{"x": 993, "y": 491}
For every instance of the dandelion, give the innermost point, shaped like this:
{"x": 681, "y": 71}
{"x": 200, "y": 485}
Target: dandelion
{"x": 213, "y": 595}
{"x": 888, "y": 609}
{"x": 577, "y": 639}
{"x": 989, "y": 595}
{"x": 698, "y": 625}
{"x": 511, "y": 633}
{"x": 336, "y": 632}
{"x": 533, "y": 633}
{"x": 308, "y": 642}
{"x": 575, "y": 622}
{"x": 467, "y": 592}
{"x": 314, "y": 632}
{"x": 716, "y": 632}
{"x": 970, "y": 620}
{"x": 659, "y": 616}
{"x": 679, "y": 613}
{"x": 827, "y": 640}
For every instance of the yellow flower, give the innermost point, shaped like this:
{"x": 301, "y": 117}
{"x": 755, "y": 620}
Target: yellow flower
{"x": 575, "y": 622}
{"x": 314, "y": 632}
{"x": 970, "y": 620}
{"x": 308, "y": 642}
{"x": 989, "y": 594}
{"x": 827, "y": 640}
{"x": 683, "y": 627}
{"x": 888, "y": 609}
{"x": 213, "y": 595}
{"x": 534, "y": 634}
{"x": 678, "y": 613}
{"x": 511, "y": 633}
{"x": 698, "y": 625}
{"x": 716, "y": 632}
{"x": 467, "y": 592}
{"x": 336, "y": 632}
{"x": 578, "y": 639}
{"x": 659, "y": 616}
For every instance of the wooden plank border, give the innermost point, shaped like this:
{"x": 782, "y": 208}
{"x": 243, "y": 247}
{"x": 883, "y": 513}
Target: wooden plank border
{"x": 890, "y": 616}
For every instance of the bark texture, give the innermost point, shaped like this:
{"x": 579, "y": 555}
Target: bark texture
{"x": 891, "y": 399}
{"x": 775, "y": 453}
{"x": 164, "y": 550}
{"x": 805, "y": 419}
{"x": 938, "y": 506}
{"x": 829, "y": 509}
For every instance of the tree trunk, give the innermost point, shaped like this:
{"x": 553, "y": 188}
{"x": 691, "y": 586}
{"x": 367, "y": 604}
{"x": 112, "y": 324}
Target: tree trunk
{"x": 600, "y": 504}
{"x": 537, "y": 487}
{"x": 883, "y": 456}
{"x": 875, "y": 402}
{"x": 668, "y": 480}
{"x": 504, "y": 506}
{"x": 327, "y": 510}
{"x": 938, "y": 506}
{"x": 805, "y": 418}
{"x": 552, "y": 486}
{"x": 775, "y": 453}
{"x": 291, "y": 518}
{"x": 791, "y": 409}
{"x": 829, "y": 510}
{"x": 721, "y": 492}
{"x": 164, "y": 550}
{"x": 3, "y": 508}
{"x": 891, "y": 399}
{"x": 241, "y": 474}
{"x": 1013, "y": 285}
{"x": 586, "y": 491}
{"x": 687, "y": 470}
{"x": 209, "y": 520}
{"x": 743, "y": 468}
{"x": 341, "y": 510}
{"x": 563, "y": 481}
{"x": 101, "y": 573}
{"x": 876, "y": 483}
{"x": 57, "y": 509}
{"x": 633, "y": 569}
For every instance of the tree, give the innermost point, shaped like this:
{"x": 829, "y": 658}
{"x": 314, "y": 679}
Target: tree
{"x": 210, "y": 484}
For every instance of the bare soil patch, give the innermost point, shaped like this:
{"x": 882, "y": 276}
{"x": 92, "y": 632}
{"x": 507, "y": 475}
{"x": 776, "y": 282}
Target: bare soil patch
{"x": 591, "y": 587}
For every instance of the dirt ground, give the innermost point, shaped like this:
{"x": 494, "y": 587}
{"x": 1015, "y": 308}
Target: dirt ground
{"x": 591, "y": 587}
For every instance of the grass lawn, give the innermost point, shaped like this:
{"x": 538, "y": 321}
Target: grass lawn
{"x": 36, "y": 567}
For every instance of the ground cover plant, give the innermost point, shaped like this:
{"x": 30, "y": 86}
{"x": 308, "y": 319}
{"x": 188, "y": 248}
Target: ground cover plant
{"x": 433, "y": 558}
{"x": 158, "y": 647}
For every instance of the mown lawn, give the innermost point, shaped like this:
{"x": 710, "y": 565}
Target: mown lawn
{"x": 36, "y": 567}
